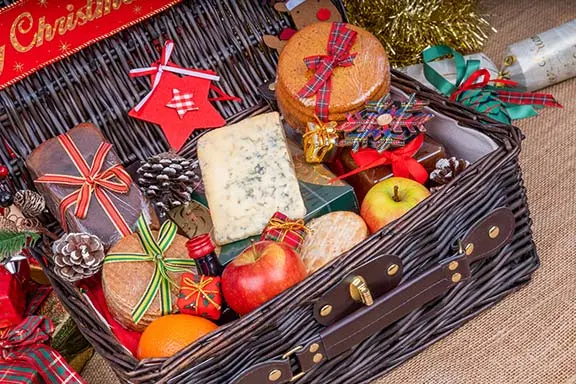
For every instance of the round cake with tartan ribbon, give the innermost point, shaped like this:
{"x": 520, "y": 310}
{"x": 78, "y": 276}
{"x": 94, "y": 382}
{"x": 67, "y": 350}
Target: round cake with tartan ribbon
{"x": 328, "y": 70}
{"x": 142, "y": 273}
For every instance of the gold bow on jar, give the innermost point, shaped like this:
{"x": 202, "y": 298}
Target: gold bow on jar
{"x": 320, "y": 141}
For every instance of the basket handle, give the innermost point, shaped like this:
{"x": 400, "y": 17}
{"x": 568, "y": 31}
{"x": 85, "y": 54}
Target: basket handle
{"x": 485, "y": 238}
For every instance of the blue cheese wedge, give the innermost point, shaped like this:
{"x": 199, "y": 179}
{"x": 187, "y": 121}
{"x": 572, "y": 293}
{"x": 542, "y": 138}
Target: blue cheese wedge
{"x": 248, "y": 176}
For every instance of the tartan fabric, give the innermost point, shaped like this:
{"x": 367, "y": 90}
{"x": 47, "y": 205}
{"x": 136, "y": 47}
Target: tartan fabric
{"x": 528, "y": 98}
{"x": 41, "y": 293}
{"x": 380, "y": 106}
{"x": 200, "y": 295}
{"x": 404, "y": 121}
{"x": 280, "y": 228}
{"x": 338, "y": 55}
{"x": 182, "y": 102}
{"x": 25, "y": 358}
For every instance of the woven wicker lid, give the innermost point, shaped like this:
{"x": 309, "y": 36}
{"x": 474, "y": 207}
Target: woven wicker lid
{"x": 125, "y": 283}
{"x": 351, "y": 86}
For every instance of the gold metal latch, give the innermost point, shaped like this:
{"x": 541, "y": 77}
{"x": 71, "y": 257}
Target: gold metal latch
{"x": 360, "y": 292}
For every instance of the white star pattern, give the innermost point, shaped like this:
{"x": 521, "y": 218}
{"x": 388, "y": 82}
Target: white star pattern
{"x": 182, "y": 102}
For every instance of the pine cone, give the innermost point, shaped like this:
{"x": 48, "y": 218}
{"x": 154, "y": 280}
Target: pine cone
{"x": 168, "y": 180}
{"x": 78, "y": 256}
{"x": 446, "y": 170}
{"x": 30, "y": 203}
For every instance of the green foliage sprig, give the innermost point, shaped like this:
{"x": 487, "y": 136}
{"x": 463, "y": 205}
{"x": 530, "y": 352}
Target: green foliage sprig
{"x": 12, "y": 243}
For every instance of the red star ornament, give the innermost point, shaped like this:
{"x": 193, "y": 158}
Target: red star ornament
{"x": 178, "y": 129}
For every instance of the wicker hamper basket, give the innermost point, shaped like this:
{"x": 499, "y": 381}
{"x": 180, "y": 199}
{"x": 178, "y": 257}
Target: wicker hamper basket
{"x": 225, "y": 35}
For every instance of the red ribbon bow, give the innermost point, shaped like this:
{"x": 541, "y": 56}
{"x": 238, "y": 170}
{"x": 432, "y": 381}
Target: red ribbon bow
{"x": 24, "y": 353}
{"x": 339, "y": 45}
{"x": 481, "y": 78}
{"x": 92, "y": 180}
{"x": 403, "y": 164}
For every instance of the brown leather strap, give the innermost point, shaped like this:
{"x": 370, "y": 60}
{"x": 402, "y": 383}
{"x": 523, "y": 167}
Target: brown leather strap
{"x": 487, "y": 236}
{"x": 381, "y": 275}
{"x": 272, "y": 371}
{"x": 393, "y": 306}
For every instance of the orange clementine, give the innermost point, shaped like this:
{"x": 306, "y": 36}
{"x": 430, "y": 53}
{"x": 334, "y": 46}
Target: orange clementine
{"x": 169, "y": 334}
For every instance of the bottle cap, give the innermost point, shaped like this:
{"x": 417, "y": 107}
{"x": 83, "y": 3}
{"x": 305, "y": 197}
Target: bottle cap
{"x": 200, "y": 246}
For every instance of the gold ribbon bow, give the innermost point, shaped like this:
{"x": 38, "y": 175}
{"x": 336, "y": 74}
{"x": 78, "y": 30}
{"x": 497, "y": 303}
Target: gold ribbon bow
{"x": 285, "y": 226}
{"x": 320, "y": 141}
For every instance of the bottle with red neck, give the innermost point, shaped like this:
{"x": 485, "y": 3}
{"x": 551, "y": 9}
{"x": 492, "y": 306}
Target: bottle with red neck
{"x": 201, "y": 248}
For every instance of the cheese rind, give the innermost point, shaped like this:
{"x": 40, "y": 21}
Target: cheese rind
{"x": 248, "y": 175}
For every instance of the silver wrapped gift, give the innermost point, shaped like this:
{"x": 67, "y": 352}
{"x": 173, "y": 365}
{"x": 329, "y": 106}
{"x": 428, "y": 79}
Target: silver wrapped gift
{"x": 544, "y": 59}
{"x": 447, "y": 68}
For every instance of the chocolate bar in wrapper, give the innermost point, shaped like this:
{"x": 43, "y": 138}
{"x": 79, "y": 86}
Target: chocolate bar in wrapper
{"x": 544, "y": 59}
{"x": 430, "y": 152}
{"x": 52, "y": 159}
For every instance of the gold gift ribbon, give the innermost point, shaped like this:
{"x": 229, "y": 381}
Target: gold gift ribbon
{"x": 198, "y": 288}
{"x": 285, "y": 226}
{"x": 320, "y": 138}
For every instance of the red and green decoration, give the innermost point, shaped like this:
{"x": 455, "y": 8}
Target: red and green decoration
{"x": 285, "y": 230}
{"x": 26, "y": 357}
{"x": 497, "y": 98}
{"x": 200, "y": 295}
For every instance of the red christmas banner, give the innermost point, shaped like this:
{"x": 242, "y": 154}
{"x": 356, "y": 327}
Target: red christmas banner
{"x": 36, "y": 33}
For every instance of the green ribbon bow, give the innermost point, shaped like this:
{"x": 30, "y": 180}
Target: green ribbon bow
{"x": 501, "y": 104}
{"x": 160, "y": 281}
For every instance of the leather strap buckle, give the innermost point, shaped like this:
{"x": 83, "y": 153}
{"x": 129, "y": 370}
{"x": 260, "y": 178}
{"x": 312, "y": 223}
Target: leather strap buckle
{"x": 360, "y": 292}
{"x": 360, "y": 288}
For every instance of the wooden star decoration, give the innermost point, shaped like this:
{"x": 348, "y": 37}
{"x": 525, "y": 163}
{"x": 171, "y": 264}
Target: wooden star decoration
{"x": 176, "y": 128}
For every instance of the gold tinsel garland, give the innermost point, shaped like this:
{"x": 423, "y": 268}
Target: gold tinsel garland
{"x": 407, "y": 27}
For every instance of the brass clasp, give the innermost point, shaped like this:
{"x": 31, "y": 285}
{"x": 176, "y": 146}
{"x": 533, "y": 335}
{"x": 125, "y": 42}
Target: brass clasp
{"x": 360, "y": 292}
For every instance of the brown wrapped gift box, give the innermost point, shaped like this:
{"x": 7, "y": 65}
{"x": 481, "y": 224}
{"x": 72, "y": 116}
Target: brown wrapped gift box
{"x": 51, "y": 158}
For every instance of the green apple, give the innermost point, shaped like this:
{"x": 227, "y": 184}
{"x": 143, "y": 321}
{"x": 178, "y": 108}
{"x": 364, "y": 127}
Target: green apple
{"x": 390, "y": 199}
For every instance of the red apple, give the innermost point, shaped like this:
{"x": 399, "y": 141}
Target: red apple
{"x": 390, "y": 199}
{"x": 259, "y": 273}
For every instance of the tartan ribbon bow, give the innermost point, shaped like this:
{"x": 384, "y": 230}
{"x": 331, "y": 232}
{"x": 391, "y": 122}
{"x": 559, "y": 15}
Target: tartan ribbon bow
{"x": 338, "y": 55}
{"x": 474, "y": 88}
{"x": 93, "y": 180}
{"x": 24, "y": 354}
{"x": 164, "y": 64}
{"x": 191, "y": 288}
{"x": 154, "y": 252}
{"x": 401, "y": 160}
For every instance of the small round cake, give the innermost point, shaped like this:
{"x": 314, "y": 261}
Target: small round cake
{"x": 124, "y": 283}
{"x": 368, "y": 78}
